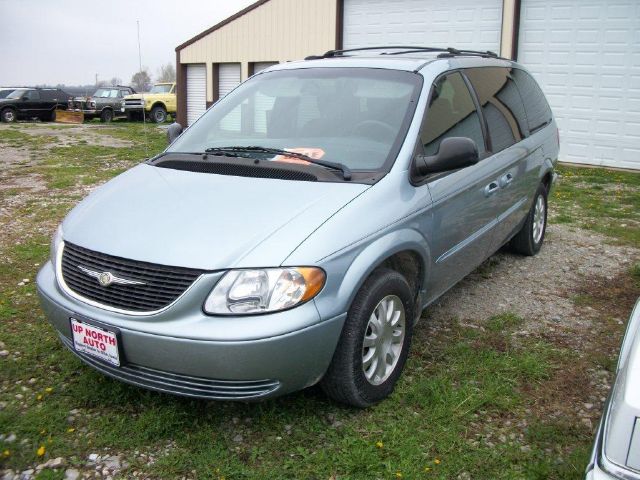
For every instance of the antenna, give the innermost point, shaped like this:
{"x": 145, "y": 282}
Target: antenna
{"x": 144, "y": 114}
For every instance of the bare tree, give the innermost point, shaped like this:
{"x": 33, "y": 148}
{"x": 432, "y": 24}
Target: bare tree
{"x": 167, "y": 73}
{"x": 141, "y": 80}
{"x": 115, "y": 81}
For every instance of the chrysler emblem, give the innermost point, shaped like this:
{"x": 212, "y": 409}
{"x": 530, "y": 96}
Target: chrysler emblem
{"x": 107, "y": 278}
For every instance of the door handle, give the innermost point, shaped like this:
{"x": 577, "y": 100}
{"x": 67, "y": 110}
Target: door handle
{"x": 491, "y": 188}
{"x": 506, "y": 179}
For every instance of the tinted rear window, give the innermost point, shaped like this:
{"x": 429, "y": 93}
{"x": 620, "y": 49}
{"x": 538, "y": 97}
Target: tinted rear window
{"x": 535, "y": 103}
{"x": 501, "y": 105}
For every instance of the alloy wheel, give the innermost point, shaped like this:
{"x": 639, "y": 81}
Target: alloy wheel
{"x": 383, "y": 339}
{"x": 538, "y": 219}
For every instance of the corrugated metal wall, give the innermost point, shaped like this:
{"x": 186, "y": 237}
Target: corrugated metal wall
{"x": 277, "y": 31}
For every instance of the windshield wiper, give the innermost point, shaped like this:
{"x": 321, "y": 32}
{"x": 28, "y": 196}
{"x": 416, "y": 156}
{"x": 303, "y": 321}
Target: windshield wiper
{"x": 237, "y": 152}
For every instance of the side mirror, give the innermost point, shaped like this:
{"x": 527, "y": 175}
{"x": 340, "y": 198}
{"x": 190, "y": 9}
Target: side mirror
{"x": 173, "y": 132}
{"x": 454, "y": 153}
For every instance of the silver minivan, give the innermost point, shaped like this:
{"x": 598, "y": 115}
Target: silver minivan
{"x": 294, "y": 233}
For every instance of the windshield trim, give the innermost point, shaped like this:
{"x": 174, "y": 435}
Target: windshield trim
{"x": 358, "y": 175}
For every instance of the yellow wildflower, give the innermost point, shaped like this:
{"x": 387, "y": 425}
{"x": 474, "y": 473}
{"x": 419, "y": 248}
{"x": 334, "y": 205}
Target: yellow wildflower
{"x": 427, "y": 469}
{"x": 71, "y": 430}
{"x": 41, "y": 450}
{"x": 379, "y": 444}
{"x": 48, "y": 389}
{"x": 437, "y": 461}
{"x": 6, "y": 453}
{"x": 398, "y": 474}
{"x": 39, "y": 397}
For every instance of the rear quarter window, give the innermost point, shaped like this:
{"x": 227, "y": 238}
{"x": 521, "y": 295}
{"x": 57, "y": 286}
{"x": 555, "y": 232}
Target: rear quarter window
{"x": 535, "y": 104}
{"x": 501, "y": 105}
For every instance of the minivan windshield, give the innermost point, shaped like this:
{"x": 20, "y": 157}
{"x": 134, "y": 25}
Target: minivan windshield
{"x": 357, "y": 117}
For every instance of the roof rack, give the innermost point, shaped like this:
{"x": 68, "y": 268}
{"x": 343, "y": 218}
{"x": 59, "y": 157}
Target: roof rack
{"x": 444, "y": 52}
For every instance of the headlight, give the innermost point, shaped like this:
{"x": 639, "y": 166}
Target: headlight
{"x": 264, "y": 291}
{"x": 56, "y": 240}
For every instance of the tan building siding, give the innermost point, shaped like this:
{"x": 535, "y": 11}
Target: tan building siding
{"x": 278, "y": 30}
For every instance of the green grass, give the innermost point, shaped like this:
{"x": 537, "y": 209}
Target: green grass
{"x": 471, "y": 403}
{"x": 454, "y": 381}
{"x": 635, "y": 273}
{"x": 598, "y": 199}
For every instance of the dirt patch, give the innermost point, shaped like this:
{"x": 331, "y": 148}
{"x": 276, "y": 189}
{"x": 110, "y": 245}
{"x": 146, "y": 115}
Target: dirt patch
{"x": 539, "y": 289}
{"x": 72, "y": 134}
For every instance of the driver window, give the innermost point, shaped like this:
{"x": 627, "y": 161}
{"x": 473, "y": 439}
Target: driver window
{"x": 33, "y": 95}
{"x": 451, "y": 113}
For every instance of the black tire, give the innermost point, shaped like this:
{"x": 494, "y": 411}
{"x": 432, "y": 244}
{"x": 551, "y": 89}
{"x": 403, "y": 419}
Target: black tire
{"x": 345, "y": 380}
{"x": 158, "y": 114}
{"x": 106, "y": 115}
{"x": 528, "y": 240}
{"x": 8, "y": 115}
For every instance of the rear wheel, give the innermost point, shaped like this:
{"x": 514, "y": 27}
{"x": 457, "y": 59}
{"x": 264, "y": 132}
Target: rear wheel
{"x": 374, "y": 344}
{"x": 528, "y": 240}
{"x": 106, "y": 116}
{"x": 8, "y": 115}
{"x": 158, "y": 114}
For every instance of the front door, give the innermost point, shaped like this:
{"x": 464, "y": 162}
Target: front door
{"x": 463, "y": 214}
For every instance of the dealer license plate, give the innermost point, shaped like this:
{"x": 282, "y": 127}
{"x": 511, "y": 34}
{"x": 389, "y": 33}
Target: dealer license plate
{"x": 95, "y": 341}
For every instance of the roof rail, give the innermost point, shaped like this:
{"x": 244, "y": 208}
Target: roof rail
{"x": 404, "y": 49}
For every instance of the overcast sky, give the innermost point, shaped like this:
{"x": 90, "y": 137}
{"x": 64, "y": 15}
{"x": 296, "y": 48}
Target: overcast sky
{"x": 69, "y": 41}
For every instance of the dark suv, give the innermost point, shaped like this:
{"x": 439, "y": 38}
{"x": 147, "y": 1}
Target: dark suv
{"x": 26, "y": 103}
{"x": 105, "y": 103}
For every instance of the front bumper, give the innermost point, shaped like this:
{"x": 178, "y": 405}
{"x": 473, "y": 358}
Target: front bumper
{"x": 171, "y": 352}
{"x": 83, "y": 110}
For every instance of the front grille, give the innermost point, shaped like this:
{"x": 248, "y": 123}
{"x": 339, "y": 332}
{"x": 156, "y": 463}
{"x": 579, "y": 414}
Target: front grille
{"x": 197, "y": 387}
{"x": 238, "y": 170}
{"x": 161, "y": 284}
{"x": 133, "y": 103}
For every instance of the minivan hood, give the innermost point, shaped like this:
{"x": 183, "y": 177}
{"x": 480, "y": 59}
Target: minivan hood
{"x": 202, "y": 220}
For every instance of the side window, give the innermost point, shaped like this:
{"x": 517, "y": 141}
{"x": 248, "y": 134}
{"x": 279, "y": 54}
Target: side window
{"x": 535, "y": 103}
{"x": 501, "y": 105}
{"x": 33, "y": 95}
{"x": 451, "y": 113}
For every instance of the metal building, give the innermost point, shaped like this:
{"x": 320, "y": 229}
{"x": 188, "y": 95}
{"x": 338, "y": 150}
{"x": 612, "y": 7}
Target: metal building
{"x": 584, "y": 53}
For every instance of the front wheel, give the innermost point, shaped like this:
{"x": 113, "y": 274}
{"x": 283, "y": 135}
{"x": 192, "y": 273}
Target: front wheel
{"x": 374, "y": 344}
{"x": 158, "y": 114}
{"x": 8, "y": 115}
{"x": 528, "y": 240}
{"x": 106, "y": 116}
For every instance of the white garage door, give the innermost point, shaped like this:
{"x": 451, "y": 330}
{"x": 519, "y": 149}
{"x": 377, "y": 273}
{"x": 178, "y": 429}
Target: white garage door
{"x": 470, "y": 24}
{"x": 586, "y": 56}
{"x": 259, "y": 66}
{"x": 196, "y": 92}
{"x": 229, "y": 78}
